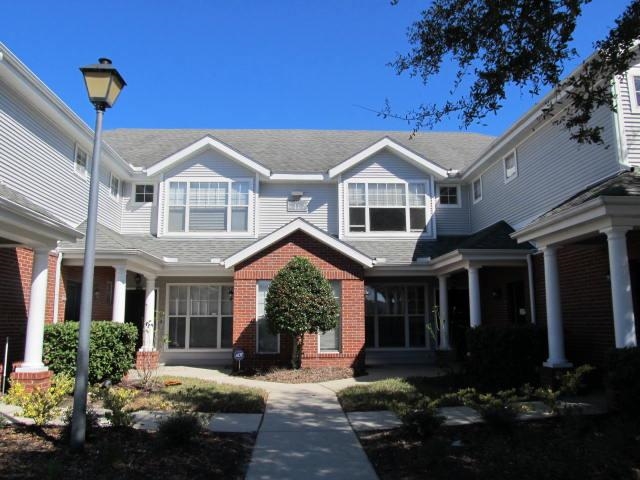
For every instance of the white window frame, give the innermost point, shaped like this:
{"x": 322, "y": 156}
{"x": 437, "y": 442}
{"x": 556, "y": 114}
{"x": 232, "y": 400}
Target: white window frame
{"x": 633, "y": 97}
{"x": 258, "y": 352}
{"x": 227, "y": 233}
{"x": 458, "y": 203}
{"x": 473, "y": 189}
{"x": 338, "y": 326}
{"x": 428, "y": 208}
{"x": 113, "y": 177}
{"x": 133, "y": 193}
{"x": 187, "y": 324}
{"x": 85, "y": 172}
{"x": 512, "y": 153}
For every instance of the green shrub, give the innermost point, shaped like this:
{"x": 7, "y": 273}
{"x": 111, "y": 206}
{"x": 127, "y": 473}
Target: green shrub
{"x": 573, "y": 381}
{"x": 423, "y": 420}
{"x": 111, "y": 349}
{"x": 505, "y": 356}
{"x": 623, "y": 379}
{"x": 92, "y": 423}
{"x": 181, "y": 428}
{"x": 499, "y": 411}
{"x": 116, "y": 399}
{"x": 42, "y": 403}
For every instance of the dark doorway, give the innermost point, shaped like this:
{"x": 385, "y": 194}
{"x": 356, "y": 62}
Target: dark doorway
{"x": 459, "y": 319}
{"x": 516, "y": 302}
{"x": 134, "y": 312}
{"x": 72, "y": 307}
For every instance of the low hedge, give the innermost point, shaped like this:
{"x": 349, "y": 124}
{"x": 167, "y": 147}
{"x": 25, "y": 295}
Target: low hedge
{"x": 623, "y": 379}
{"x": 111, "y": 349}
{"x": 505, "y": 356}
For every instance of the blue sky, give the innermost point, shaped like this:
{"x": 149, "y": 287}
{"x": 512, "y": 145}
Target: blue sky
{"x": 246, "y": 64}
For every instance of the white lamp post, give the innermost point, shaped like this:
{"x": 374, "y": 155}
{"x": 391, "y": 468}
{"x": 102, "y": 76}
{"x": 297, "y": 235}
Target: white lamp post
{"x": 104, "y": 84}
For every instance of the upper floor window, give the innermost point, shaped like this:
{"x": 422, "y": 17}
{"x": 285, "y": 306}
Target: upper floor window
{"x": 114, "y": 186}
{"x": 81, "y": 161}
{"x": 449, "y": 196}
{"x": 633, "y": 82}
{"x": 477, "y": 189}
{"x": 143, "y": 194}
{"x": 510, "y": 163}
{"x": 208, "y": 206}
{"x": 387, "y": 207}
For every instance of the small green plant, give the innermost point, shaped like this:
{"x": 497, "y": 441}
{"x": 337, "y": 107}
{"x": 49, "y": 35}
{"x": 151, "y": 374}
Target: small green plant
{"x": 42, "y": 403}
{"x": 180, "y": 429}
{"x": 116, "y": 399}
{"x": 499, "y": 410}
{"x": 573, "y": 381}
{"x": 92, "y": 423}
{"x": 422, "y": 420}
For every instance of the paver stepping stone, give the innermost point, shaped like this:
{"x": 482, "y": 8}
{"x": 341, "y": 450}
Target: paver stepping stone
{"x": 235, "y": 422}
{"x": 380, "y": 420}
{"x": 148, "y": 420}
{"x": 535, "y": 411}
{"x": 459, "y": 415}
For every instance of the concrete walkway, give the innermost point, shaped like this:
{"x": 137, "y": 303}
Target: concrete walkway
{"x": 306, "y": 435}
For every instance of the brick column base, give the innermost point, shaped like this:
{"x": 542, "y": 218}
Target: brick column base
{"x": 33, "y": 380}
{"x": 147, "y": 360}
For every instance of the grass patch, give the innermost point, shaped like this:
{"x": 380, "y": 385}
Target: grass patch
{"x": 200, "y": 396}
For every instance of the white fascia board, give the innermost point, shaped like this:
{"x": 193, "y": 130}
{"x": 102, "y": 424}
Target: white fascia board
{"x": 300, "y": 177}
{"x": 404, "y": 152}
{"x": 203, "y": 143}
{"x": 288, "y": 230}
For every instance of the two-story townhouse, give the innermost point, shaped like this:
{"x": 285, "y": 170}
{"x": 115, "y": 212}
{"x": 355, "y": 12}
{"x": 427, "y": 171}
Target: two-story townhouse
{"x": 528, "y": 227}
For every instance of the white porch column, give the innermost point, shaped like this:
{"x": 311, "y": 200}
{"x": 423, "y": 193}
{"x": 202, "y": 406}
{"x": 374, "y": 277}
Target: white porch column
{"x": 37, "y": 305}
{"x": 555, "y": 334}
{"x": 444, "y": 312}
{"x": 623, "y": 317}
{"x": 149, "y": 315}
{"x": 475, "y": 311}
{"x": 119, "y": 293}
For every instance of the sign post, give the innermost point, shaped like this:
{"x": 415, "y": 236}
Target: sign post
{"x": 238, "y": 356}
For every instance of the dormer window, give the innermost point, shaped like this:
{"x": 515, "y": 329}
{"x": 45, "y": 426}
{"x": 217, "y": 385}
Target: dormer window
{"x": 387, "y": 207}
{"x": 221, "y": 206}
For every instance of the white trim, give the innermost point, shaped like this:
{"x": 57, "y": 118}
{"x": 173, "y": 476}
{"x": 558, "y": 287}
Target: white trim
{"x": 633, "y": 97}
{"x": 288, "y": 229}
{"x": 504, "y": 165}
{"x": 207, "y": 142}
{"x": 473, "y": 190}
{"x": 458, "y": 196}
{"x": 300, "y": 177}
{"x": 381, "y": 144}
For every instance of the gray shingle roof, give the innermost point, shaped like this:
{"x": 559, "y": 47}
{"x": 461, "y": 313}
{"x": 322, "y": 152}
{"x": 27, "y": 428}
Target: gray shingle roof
{"x": 297, "y": 151}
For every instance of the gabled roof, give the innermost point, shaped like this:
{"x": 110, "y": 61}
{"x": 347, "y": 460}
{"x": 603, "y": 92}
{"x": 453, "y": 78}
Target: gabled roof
{"x": 303, "y": 226}
{"x": 203, "y": 144}
{"x": 388, "y": 144}
{"x": 297, "y": 151}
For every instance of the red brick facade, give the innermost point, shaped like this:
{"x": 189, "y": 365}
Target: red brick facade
{"x": 103, "y": 281}
{"x": 334, "y": 266}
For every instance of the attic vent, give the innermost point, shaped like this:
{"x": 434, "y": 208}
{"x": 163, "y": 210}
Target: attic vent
{"x": 296, "y": 203}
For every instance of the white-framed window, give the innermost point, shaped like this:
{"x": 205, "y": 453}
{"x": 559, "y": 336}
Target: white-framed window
{"x": 203, "y": 206}
{"x": 476, "y": 189}
{"x": 395, "y": 316}
{"x": 510, "y": 164}
{"x": 266, "y": 342}
{"x": 378, "y": 206}
{"x": 143, "y": 193}
{"x": 449, "y": 196}
{"x": 330, "y": 341}
{"x": 114, "y": 186}
{"x": 80, "y": 161}
{"x": 199, "y": 317}
{"x": 633, "y": 82}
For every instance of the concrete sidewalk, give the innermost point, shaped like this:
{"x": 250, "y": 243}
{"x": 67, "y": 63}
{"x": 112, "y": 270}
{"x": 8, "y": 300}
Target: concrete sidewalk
{"x": 305, "y": 434}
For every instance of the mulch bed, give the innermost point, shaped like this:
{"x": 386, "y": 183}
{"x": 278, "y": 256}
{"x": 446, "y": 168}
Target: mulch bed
{"x": 570, "y": 448}
{"x": 122, "y": 453}
{"x": 302, "y": 375}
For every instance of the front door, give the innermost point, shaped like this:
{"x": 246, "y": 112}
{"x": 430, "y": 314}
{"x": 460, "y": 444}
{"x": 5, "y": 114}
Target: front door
{"x": 134, "y": 312}
{"x": 72, "y": 306}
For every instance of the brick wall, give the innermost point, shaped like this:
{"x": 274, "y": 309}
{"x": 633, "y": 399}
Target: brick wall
{"x": 334, "y": 266}
{"x": 494, "y": 293}
{"x": 102, "y": 303}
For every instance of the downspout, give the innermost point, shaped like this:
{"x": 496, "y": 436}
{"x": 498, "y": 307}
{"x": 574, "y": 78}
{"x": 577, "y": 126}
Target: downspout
{"x": 56, "y": 288}
{"x": 532, "y": 293}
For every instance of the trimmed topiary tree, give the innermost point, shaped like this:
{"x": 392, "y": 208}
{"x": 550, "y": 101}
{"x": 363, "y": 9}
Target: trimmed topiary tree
{"x": 299, "y": 301}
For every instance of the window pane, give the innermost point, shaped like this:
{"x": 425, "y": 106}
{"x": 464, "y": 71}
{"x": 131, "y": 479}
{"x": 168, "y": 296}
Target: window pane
{"x": 115, "y": 186}
{"x": 448, "y": 195}
{"x": 204, "y": 300}
{"x": 386, "y": 194}
{"x": 369, "y": 331}
{"x": 390, "y": 300}
{"x": 240, "y": 193}
{"x": 510, "y": 165}
{"x": 226, "y": 334}
{"x": 178, "y": 300}
{"x": 178, "y": 194}
{"x": 330, "y": 340}
{"x": 239, "y": 219}
{"x": 203, "y": 332}
{"x": 356, "y": 194}
{"x": 415, "y": 300}
{"x": 177, "y": 327}
{"x": 477, "y": 190}
{"x": 267, "y": 341}
{"x": 208, "y": 194}
{"x": 391, "y": 331}
{"x": 416, "y": 195}
{"x": 227, "y": 300}
{"x": 207, "y": 219}
{"x": 417, "y": 333}
{"x": 81, "y": 161}
{"x": 356, "y": 219}
{"x": 144, "y": 193}
{"x": 636, "y": 83}
{"x": 417, "y": 217}
{"x": 387, "y": 219}
{"x": 176, "y": 219}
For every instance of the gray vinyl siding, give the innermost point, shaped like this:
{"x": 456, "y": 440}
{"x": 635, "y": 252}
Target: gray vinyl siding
{"x": 138, "y": 217}
{"x": 454, "y": 220}
{"x": 322, "y": 210}
{"x": 631, "y": 120}
{"x": 37, "y": 160}
{"x": 551, "y": 168}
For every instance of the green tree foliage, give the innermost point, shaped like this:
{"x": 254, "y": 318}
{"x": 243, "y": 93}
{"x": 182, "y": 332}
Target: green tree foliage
{"x": 524, "y": 43}
{"x": 300, "y": 301}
